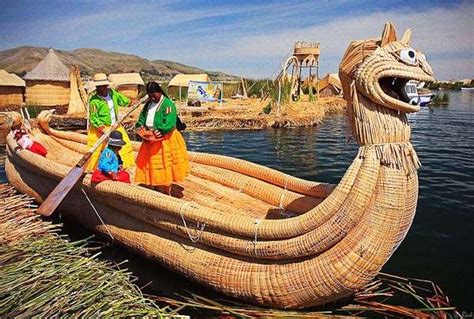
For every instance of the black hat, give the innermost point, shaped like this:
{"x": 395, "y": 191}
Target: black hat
{"x": 116, "y": 139}
{"x": 152, "y": 87}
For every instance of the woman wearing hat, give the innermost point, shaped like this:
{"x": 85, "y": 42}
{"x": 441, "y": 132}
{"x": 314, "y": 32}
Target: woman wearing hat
{"x": 162, "y": 158}
{"x": 103, "y": 113}
{"x": 110, "y": 162}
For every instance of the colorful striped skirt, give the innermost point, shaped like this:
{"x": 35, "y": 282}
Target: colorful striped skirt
{"x": 162, "y": 162}
{"x": 126, "y": 153}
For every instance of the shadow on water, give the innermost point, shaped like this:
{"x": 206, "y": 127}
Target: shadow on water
{"x": 438, "y": 246}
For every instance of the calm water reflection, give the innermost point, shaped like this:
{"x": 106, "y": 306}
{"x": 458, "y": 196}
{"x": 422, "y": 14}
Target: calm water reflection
{"x": 439, "y": 244}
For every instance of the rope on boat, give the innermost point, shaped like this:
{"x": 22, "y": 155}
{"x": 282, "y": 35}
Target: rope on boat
{"x": 255, "y": 236}
{"x": 280, "y": 207}
{"x": 200, "y": 226}
{"x": 97, "y": 213}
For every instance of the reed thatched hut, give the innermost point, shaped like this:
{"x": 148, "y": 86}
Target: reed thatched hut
{"x": 178, "y": 86}
{"x": 130, "y": 84}
{"x": 12, "y": 88}
{"x": 330, "y": 85}
{"x": 48, "y": 83}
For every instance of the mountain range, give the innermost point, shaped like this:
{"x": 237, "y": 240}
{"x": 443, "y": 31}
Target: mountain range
{"x": 23, "y": 59}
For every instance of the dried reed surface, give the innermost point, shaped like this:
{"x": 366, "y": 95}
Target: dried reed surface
{"x": 248, "y": 114}
{"x": 42, "y": 274}
{"x": 386, "y": 296}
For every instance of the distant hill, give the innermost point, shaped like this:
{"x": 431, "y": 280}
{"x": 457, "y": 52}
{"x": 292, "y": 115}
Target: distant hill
{"x": 23, "y": 59}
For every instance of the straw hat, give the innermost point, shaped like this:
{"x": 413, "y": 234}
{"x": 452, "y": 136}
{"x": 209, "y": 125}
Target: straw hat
{"x": 116, "y": 139}
{"x": 101, "y": 79}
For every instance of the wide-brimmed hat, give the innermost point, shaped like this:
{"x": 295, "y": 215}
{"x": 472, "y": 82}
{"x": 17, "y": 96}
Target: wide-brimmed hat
{"x": 116, "y": 139}
{"x": 100, "y": 79}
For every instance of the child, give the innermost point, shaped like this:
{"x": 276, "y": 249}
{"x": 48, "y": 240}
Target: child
{"x": 110, "y": 162}
{"x": 26, "y": 143}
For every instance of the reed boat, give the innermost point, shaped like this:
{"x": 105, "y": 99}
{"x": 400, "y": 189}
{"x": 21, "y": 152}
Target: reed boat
{"x": 252, "y": 232}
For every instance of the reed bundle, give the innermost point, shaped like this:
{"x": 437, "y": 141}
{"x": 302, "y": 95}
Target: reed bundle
{"x": 42, "y": 274}
{"x": 386, "y": 296}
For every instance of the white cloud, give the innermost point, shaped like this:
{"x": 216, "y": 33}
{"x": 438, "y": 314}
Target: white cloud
{"x": 443, "y": 32}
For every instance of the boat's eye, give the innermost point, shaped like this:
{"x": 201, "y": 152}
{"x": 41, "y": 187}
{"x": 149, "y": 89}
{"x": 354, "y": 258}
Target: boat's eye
{"x": 408, "y": 56}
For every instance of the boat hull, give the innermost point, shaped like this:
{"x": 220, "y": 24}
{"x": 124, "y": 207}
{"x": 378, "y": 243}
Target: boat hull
{"x": 346, "y": 256}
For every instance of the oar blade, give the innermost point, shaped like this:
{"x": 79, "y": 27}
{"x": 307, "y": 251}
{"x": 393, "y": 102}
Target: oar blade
{"x": 60, "y": 191}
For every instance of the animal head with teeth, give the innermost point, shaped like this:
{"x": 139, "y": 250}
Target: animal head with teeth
{"x": 380, "y": 69}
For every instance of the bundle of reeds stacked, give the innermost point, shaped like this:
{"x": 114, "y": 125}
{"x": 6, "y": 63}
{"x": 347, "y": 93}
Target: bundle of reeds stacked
{"x": 48, "y": 83}
{"x": 78, "y": 97}
{"x": 43, "y": 274}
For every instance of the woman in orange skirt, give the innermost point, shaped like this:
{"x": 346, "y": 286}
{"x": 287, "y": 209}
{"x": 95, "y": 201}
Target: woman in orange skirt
{"x": 162, "y": 158}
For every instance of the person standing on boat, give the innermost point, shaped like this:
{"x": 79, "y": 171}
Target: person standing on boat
{"x": 103, "y": 113}
{"x": 162, "y": 158}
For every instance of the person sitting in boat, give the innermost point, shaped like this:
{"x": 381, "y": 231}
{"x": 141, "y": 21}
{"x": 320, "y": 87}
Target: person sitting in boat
{"x": 103, "y": 113}
{"x": 162, "y": 158}
{"x": 110, "y": 162}
{"x": 25, "y": 142}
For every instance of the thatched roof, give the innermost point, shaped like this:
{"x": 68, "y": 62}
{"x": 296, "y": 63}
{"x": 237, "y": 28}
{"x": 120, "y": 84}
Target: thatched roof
{"x": 330, "y": 79}
{"x": 118, "y": 79}
{"x": 10, "y": 79}
{"x": 49, "y": 69}
{"x": 183, "y": 79}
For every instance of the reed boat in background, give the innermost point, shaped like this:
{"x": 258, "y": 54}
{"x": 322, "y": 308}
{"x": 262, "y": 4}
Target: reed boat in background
{"x": 223, "y": 227}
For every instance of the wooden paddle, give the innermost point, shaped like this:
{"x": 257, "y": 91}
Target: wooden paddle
{"x": 62, "y": 189}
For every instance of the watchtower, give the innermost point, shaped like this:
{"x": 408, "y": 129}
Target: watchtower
{"x": 305, "y": 56}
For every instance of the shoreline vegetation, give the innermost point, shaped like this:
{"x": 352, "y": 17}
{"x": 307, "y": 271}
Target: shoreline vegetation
{"x": 451, "y": 85}
{"x": 440, "y": 100}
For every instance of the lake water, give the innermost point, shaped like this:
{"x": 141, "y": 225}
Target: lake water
{"x": 438, "y": 247}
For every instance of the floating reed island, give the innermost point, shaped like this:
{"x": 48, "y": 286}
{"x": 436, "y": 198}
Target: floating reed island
{"x": 252, "y": 232}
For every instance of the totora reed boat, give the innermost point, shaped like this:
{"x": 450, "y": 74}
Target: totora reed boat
{"x": 222, "y": 227}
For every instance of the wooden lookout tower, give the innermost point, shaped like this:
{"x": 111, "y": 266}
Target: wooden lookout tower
{"x": 305, "y": 56}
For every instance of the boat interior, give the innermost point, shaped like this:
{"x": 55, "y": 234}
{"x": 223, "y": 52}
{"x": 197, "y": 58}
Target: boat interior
{"x": 214, "y": 182}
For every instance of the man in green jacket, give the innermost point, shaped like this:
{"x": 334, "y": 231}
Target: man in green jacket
{"x": 103, "y": 113}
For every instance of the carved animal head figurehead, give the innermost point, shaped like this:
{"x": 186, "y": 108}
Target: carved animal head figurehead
{"x": 373, "y": 75}
{"x": 382, "y": 68}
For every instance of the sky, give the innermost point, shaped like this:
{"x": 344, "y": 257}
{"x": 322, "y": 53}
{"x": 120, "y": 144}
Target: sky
{"x": 246, "y": 37}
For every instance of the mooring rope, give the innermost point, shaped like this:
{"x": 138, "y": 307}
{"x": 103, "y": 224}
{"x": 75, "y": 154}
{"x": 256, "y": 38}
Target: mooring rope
{"x": 97, "y": 213}
{"x": 200, "y": 227}
{"x": 192, "y": 158}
